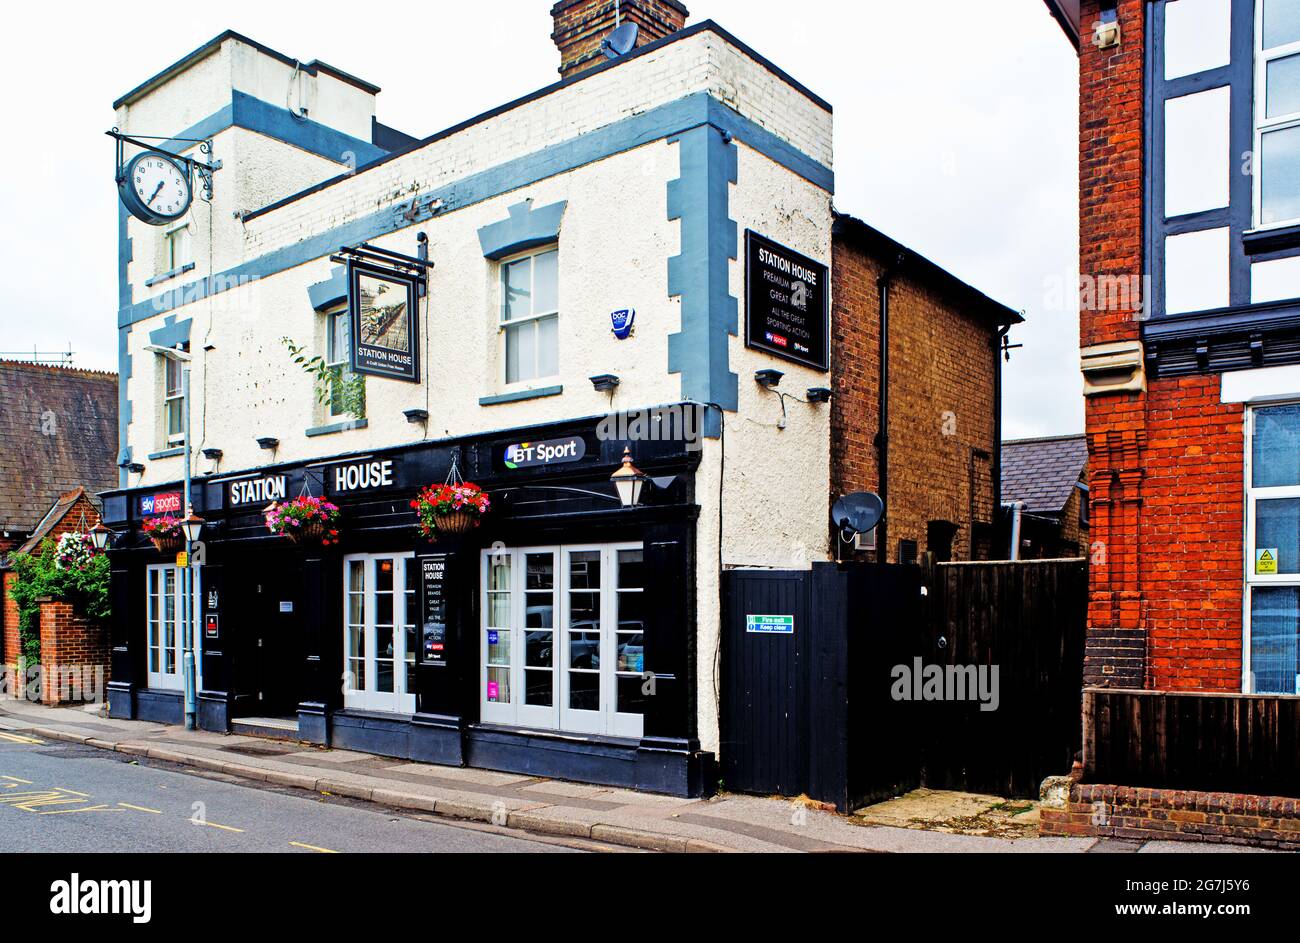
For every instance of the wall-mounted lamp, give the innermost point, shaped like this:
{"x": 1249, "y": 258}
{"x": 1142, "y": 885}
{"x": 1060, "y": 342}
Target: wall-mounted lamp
{"x": 134, "y": 468}
{"x": 629, "y": 481}
{"x": 101, "y": 536}
{"x": 268, "y": 443}
{"x": 1107, "y": 32}
{"x": 605, "y": 383}
{"x": 416, "y": 416}
{"x": 819, "y": 394}
{"x": 768, "y": 379}
{"x": 213, "y": 454}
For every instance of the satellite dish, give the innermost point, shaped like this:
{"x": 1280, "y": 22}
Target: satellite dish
{"x": 857, "y": 514}
{"x": 621, "y": 41}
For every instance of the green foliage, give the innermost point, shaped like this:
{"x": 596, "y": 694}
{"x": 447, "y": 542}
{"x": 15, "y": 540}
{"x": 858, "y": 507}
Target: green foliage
{"x": 40, "y": 577}
{"x": 345, "y": 392}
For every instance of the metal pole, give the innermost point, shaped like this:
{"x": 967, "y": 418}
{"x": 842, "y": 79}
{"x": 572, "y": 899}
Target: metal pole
{"x": 1017, "y": 514}
{"x": 187, "y": 607}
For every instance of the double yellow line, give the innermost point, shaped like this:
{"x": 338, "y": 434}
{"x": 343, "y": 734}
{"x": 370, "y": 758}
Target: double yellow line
{"x": 20, "y": 738}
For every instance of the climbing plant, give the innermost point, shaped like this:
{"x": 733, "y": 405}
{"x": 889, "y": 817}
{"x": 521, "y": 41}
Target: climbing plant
{"x": 82, "y": 580}
{"x": 346, "y": 391}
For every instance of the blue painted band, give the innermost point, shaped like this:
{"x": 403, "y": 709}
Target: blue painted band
{"x": 520, "y": 396}
{"x": 150, "y": 282}
{"x": 166, "y": 453}
{"x": 657, "y": 124}
{"x": 526, "y": 228}
{"x": 337, "y": 427}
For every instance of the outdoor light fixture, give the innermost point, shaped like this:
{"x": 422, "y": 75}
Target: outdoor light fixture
{"x": 192, "y": 526}
{"x": 414, "y": 416}
{"x": 134, "y": 468}
{"x": 101, "y": 536}
{"x": 768, "y": 379}
{"x": 605, "y": 383}
{"x": 629, "y": 481}
{"x": 213, "y": 454}
{"x": 819, "y": 394}
{"x": 269, "y": 443}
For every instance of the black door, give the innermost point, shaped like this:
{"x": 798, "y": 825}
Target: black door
{"x": 275, "y": 633}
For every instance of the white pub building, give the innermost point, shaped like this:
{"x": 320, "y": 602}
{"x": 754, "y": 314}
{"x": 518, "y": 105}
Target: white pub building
{"x": 518, "y": 301}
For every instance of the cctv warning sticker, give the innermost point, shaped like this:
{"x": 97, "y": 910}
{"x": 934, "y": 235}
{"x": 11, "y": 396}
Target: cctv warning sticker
{"x": 1266, "y": 562}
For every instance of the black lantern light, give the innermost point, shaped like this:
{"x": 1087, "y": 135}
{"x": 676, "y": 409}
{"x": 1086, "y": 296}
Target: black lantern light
{"x": 192, "y": 526}
{"x": 101, "y": 536}
{"x": 629, "y": 480}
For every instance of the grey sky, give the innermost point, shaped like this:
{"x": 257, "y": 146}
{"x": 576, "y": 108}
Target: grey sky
{"x": 956, "y": 133}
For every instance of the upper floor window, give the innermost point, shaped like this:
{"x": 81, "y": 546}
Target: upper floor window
{"x": 173, "y": 401}
{"x": 1277, "y": 112}
{"x": 178, "y": 248}
{"x": 346, "y": 389}
{"x": 530, "y": 315}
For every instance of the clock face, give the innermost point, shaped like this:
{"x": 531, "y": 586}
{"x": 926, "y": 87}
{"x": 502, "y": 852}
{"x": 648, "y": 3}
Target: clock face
{"x": 158, "y": 190}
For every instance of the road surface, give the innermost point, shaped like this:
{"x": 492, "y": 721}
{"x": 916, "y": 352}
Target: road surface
{"x": 61, "y": 797}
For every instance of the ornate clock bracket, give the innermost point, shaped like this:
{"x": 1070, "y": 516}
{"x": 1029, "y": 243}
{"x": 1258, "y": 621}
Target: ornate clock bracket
{"x": 195, "y": 168}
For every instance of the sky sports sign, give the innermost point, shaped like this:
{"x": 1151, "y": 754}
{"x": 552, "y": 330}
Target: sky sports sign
{"x": 169, "y": 502}
{"x": 786, "y": 303}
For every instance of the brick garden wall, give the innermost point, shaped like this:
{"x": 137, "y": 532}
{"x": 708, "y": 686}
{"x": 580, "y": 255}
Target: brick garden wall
{"x": 9, "y": 643}
{"x": 941, "y": 403}
{"x": 71, "y": 641}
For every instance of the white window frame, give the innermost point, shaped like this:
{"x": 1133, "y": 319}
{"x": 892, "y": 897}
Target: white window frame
{"x": 344, "y": 366}
{"x": 173, "y": 398}
{"x": 170, "y": 245}
{"x": 607, "y": 721}
{"x": 534, "y": 319}
{"x": 399, "y": 700}
{"x": 155, "y": 575}
{"x": 1253, "y": 497}
{"x": 1264, "y": 124}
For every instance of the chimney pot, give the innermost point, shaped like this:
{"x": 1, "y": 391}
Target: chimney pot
{"x": 580, "y": 25}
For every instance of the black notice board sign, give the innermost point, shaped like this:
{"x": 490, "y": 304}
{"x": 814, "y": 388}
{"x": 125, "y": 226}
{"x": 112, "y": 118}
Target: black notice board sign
{"x": 787, "y": 298}
{"x": 433, "y": 593}
{"x": 383, "y": 306}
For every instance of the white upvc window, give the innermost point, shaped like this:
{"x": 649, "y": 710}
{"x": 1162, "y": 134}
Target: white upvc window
{"x": 173, "y": 401}
{"x": 530, "y": 316}
{"x": 379, "y": 616}
{"x": 1277, "y": 112}
{"x": 178, "y": 248}
{"x": 165, "y": 626}
{"x": 338, "y": 345}
{"x": 1272, "y": 605}
{"x": 563, "y": 639}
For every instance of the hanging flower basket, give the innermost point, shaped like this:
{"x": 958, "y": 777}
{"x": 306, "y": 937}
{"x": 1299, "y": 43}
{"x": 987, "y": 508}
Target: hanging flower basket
{"x": 165, "y": 533}
{"x": 451, "y": 509}
{"x": 304, "y": 519}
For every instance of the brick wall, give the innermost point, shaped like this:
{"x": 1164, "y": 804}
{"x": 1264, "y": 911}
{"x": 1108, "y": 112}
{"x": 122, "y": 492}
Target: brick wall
{"x": 1167, "y": 464}
{"x": 941, "y": 402}
{"x": 9, "y": 644}
{"x": 580, "y": 25}
{"x": 1107, "y": 811}
{"x": 71, "y": 641}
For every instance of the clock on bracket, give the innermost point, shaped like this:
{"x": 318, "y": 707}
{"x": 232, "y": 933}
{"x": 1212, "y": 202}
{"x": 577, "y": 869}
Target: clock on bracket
{"x": 155, "y": 188}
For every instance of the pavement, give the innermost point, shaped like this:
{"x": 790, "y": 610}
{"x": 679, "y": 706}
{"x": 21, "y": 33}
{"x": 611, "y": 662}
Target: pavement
{"x": 536, "y": 808}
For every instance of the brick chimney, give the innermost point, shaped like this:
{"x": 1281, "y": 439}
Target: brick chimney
{"x": 580, "y": 25}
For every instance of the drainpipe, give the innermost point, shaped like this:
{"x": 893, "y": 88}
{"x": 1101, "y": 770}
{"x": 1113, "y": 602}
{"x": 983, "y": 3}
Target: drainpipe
{"x": 1017, "y": 513}
{"x": 997, "y": 417}
{"x": 883, "y": 285}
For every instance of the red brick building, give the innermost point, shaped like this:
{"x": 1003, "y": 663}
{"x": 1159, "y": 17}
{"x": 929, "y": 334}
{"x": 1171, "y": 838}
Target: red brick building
{"x": 939, "y": 387}
{"x": 1190, "y": 334}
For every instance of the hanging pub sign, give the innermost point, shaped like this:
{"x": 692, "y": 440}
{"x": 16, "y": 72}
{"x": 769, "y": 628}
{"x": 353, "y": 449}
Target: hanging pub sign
{"x": 383, "y": 305}
{"x": 786, "y": 303}
{"x": 433, "y": 580}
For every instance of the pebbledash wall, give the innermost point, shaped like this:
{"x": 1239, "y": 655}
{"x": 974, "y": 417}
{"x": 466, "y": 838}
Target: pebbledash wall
{"x": 654, "y": 165}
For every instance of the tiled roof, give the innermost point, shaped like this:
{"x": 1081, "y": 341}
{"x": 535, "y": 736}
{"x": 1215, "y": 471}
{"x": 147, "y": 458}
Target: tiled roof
{"x": 55, "y": 515}
{"x": 1043, "y": 472}
{"x": 58, "y": 431}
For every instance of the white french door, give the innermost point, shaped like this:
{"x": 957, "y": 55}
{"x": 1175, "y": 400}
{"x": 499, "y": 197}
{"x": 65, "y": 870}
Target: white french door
{"x": 165, "y": 621}
{"x": 562, "y": 639}
{"x": 379, "y": 614}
